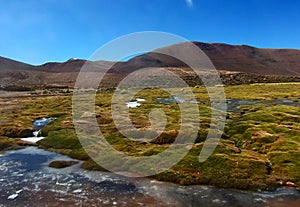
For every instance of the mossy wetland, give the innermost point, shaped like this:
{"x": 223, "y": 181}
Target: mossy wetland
{"x": 259, "y": 148}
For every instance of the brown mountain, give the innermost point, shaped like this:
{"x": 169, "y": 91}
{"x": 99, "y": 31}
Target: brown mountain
{"x": 8, "y": 64}
{"x": 15, "y": 75}
{"x": 240, "y": 58}
{"x": 245, "y": 61}
{"x": 253, "y": 60}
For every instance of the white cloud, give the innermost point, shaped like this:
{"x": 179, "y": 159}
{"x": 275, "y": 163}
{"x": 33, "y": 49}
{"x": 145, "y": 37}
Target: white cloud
{"x": 189, "y": 3}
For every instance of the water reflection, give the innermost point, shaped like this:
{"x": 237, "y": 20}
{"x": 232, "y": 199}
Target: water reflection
{"x": 233, "y": 105}
{"x": 40, "y": 123}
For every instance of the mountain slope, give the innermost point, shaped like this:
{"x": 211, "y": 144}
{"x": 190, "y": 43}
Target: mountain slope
{"x": 250, "y": 63}
{"x": 253, "y": 60}
{"x": 226, "y": 57}
{"x": 8, "y": 64}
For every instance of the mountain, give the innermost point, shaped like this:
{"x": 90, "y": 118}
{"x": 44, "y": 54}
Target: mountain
{"x": 15, "y": 75}
{"x": 240, "y": 58}
{"x": 237, "y": 64}
{"x": 253, "y": 60}
{"x": 9, "y": 65}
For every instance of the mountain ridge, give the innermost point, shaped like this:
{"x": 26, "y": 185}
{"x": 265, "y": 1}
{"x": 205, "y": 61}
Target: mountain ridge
{"x": 246, "y": 59}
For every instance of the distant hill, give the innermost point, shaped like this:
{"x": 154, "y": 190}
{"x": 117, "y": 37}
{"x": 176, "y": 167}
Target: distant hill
{"x": 253, "y": 60}
{"x": 237, "y": 65}
{"x": 241, "y": 58}
{"x": 8, "y": 65}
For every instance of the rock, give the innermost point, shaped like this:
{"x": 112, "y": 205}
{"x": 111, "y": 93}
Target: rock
{"x": 291, "y": 184}
{"x": 288, "y": 183}
{"x": 62, "y": 163}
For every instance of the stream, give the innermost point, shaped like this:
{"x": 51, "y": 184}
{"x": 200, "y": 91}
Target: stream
{"x": 26, "y": 180}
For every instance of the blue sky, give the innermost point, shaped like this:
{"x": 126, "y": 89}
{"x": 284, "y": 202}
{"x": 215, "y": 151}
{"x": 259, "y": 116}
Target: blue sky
{"x": 38, "y": 31}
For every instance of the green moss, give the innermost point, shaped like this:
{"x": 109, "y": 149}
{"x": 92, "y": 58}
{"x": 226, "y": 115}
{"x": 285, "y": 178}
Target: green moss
{"x": 63, "y": 138}
{"x": 259, "y": 146}
{"x": 264, "y": 91}
{"x": 7, "y": 144}
{"x": 166, "y": 137}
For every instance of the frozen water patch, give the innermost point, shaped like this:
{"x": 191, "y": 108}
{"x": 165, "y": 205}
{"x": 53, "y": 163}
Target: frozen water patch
{"x": 32, "y": 139}
{"x": 36, "y": 133}
{"x": 19, "y": 191}
{"x": 259, "y": 200}
{"x": 133, "y": 104}
{"x": 136, "y": 103}
{"x": 77, "y": 191}
{"x": 140, "y": 100}
{"x": 13, "y": 196}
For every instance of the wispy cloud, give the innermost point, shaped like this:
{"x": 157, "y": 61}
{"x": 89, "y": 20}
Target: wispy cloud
{"x": 189, "y": 3}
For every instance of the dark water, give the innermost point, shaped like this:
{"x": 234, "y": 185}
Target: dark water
{"x": 232, "y": 105}
{"x": 26, "y": 180}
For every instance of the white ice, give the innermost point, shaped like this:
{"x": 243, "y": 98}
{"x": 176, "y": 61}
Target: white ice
{"x": 32, "y": 139}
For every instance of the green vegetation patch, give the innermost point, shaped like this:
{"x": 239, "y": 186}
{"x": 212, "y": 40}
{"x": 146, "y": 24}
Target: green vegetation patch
{"x": 259, "y": 148}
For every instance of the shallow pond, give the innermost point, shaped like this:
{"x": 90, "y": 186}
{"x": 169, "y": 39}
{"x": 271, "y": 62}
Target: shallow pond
{"x": 40, "y": 123}
{"x": 26, "y": 180}
{"x": 232, "y": 105}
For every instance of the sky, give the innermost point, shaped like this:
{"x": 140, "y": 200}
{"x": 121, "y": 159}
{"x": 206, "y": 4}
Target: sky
{"x": 39, "y": 31}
